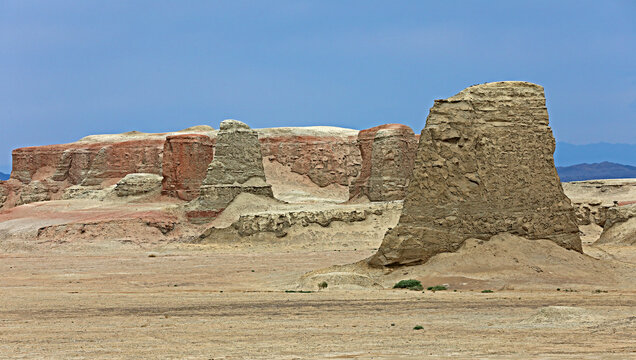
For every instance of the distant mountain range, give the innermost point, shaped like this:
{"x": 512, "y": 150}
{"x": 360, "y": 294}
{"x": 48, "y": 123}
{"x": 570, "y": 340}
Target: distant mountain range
{"x": 569, "y": 154}
{"x": 4, "y": 176}
{"x": 604, "y": 170}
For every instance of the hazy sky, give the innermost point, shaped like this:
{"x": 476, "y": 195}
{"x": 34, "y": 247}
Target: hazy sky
{"x": 73, "y": 68}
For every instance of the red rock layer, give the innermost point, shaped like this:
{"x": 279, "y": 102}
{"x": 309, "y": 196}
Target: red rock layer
{"x": 45, "y": 171}
{"x": 325, "y": 160}
{"x": 185, "y": 162}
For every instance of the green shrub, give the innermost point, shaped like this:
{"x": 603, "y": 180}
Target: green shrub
{"x": 418, "y": 327}
{"x": 487, "y": 291}
{"x": 409, "y": 284}
{"x": 437, "y": 288}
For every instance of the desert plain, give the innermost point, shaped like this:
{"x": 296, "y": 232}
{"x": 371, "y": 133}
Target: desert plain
{"x": 286, "y": 243}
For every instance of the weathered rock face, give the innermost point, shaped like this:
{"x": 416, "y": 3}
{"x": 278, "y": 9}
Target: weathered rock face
{"x": 87, "y": 163}
{"x": 237, "y": 168}
{"x": 387, "y": 152}
{"x": 4, "y": 193}
{"x": 484, "y": 166}
{"x": 33, "y": 192}
{"x": 620, "y": 226}
{"x": 185, "y": 163}
{"x": 326, "y": 157}
{"x": 137, "y": 184}
{"x": 44, "y": 172}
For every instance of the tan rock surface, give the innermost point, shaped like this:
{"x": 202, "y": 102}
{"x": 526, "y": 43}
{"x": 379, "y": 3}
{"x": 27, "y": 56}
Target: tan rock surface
{"x": 138, "y": 184}
{"x": 387, "y": 152}
{"x": 237, "y": 168}
{"x": 620, "y": 226}
{"x": 484, "y": 166}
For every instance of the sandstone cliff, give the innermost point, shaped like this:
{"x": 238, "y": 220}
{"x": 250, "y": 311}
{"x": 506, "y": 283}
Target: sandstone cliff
{"x": 324, "y": 161}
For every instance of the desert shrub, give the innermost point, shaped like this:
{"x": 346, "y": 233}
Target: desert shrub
{"x": 487, "y": 291}
{"x": 418, "y": 327}
{"x": 409, "y": 284}
{"x": 437, "y": 288}
{"x": 323, "y": 285}
{"x": 298, "y": 291}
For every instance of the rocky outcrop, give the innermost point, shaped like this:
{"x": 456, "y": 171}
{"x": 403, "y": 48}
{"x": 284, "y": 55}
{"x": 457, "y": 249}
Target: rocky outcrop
{"x": 94, "y": 162}
{"x": 387, "y": 152}
{"x": 4, "y": 193}
{"x": 46, "y": 171}
{"x": 151, "y": 225}
{"x": 620, "y": 226}
{"x": 484, "y": 166}
{"x": 593, "y": 198}
{"x": 326, "y": 155}
{"x": 33, "y": 192}
{"x": 237, "y": 168}
{"x": 279, "y": 223}
{"x": 137, "y": 184}
{"x": 591, "y": 212}
{"x": 87, "y": 164}
{"x": 185, "y": 163}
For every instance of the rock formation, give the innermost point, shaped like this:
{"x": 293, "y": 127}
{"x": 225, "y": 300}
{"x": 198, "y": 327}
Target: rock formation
{"x": 137, "y": 184}
{"x": 237, "y": 168}
{"x": 484, "y": 166}
{"x": 620, "y": 226}
{"x": 387, "y": 153}
{"x": 326, "y": 155}
{"x": 185, "y": 162}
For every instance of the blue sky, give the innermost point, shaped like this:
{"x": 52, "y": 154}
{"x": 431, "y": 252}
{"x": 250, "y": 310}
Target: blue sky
{"x": 73, "y": 68}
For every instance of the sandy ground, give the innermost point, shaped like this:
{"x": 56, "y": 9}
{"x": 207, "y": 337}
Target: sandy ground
{"x": 165, "y": 297}
{"x": 193, "y": 303}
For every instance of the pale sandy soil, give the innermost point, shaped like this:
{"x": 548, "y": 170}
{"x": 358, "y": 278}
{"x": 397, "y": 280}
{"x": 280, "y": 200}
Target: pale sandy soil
{"x": 142, "y": 296}
{"x": 191, "y": 302}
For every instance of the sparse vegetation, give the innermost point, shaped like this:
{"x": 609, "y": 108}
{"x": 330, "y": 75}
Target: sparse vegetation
{"x": 323, "y": 285}
{"x": 487, "y": 291}
{"x": 598, "y": 291}
{"x": 418, "y": 327}
{"x": 410, "y": 284}
{"x": 437, "y": 288}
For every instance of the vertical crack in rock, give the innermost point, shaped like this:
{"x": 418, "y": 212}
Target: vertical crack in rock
{"x": 484, "y": 166}
{"x": 237, "y": 167}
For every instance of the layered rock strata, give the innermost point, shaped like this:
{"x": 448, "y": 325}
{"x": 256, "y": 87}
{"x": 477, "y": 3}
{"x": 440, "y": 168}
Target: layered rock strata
{"x": 620, "y": 226}
{"x": 484, "y": 166}
{"x": 237, "y": 168}
{"x": 185, "y": 163}
{"x": 387, "y": 152}
{"x": 137, "y": 184}
{"x": 325, "y": 155}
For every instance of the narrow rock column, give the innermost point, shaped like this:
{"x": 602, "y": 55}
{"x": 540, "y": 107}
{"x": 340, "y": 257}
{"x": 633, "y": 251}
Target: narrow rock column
{"x": 387, "y": 154}
{"x": 237, "y": 167}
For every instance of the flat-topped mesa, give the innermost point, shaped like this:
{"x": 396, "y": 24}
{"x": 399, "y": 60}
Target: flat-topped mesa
{"x": 387, "y": 153}
{"x": 484, "y": 166}
{"x": 237, "y": 167}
